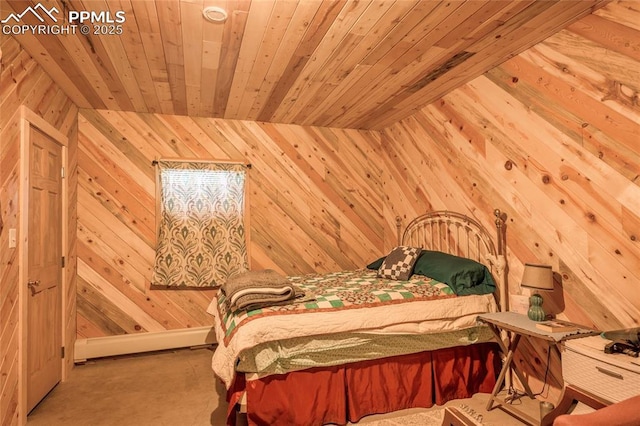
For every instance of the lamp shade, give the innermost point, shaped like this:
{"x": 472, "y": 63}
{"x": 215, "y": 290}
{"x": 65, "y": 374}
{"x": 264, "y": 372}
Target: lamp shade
{"x": 539, "y": 277}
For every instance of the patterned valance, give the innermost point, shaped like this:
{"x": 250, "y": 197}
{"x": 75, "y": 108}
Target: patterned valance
{"x": 201, "y": 231}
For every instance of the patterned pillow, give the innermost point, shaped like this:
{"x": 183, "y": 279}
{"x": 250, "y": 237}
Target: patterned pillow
{"x": 398, "y": 265}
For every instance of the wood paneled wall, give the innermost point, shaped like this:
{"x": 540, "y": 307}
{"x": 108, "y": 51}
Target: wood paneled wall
{"x": 551, "y": 137}
{"x": 24, "y": 82}
{"x": 315, "y": 200}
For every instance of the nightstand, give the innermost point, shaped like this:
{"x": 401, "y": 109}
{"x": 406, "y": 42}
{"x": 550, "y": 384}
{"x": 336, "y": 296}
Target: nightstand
{"x": 518, "y": 325}
{"x": 594, "y": 377}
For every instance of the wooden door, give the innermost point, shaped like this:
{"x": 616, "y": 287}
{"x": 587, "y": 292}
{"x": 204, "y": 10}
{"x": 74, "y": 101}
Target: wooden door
{"x": 44, "y": 267}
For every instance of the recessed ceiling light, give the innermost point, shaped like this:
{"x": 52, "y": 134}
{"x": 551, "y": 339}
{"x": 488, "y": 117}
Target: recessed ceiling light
{"x": 214, "y": 14}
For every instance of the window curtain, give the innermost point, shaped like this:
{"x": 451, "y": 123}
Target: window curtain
{"x": 201, "y": 232}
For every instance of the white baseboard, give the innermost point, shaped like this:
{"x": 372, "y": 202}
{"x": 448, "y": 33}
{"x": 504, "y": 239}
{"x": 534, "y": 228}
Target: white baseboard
{"x": 97, "y": 347}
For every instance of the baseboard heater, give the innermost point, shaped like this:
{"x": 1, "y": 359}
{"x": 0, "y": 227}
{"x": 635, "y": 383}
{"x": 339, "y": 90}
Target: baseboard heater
{"x": 98, "y": 347}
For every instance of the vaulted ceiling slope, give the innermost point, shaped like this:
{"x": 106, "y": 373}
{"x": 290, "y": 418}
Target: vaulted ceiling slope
{"x": 345, "y": 63}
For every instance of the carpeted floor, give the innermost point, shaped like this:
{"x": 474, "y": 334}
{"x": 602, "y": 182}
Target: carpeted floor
{"x": 178, "y": 388}
{"x": 172, "y": 388}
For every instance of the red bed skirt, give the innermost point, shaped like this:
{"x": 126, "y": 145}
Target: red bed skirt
{"x": 346, "y": 393}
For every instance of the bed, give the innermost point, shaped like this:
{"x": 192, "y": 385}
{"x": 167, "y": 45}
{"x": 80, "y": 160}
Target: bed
{"x": 372, "y": 340}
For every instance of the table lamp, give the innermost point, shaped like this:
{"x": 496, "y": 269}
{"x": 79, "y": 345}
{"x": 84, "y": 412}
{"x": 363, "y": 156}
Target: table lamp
{"x": 537, "y": 277}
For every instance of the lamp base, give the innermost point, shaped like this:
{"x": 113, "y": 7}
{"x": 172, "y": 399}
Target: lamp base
{"x": 535, "y": 312}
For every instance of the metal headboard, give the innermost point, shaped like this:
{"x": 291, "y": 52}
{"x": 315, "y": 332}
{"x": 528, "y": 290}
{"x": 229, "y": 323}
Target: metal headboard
{"x": 458, "y": 234}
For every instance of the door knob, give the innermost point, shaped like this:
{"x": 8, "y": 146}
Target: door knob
{"x": 33, "y": 286}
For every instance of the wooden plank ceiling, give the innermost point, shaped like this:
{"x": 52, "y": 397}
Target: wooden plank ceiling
{"x": 346, "y": 63}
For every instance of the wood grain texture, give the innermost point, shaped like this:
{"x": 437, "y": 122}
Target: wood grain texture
{"x": 550, "y": 137}
{"x": 312, "y": 185}
{"x": 340, "y": 63}
{"x": 24, "y": 82}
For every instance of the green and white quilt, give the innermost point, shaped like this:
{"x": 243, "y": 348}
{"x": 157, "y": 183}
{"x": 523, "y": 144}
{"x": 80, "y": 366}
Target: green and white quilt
{"x": 344, "y": 302}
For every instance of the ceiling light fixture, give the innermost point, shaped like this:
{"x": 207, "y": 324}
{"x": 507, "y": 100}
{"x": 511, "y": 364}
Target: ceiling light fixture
{"x": 214, "y": 14}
